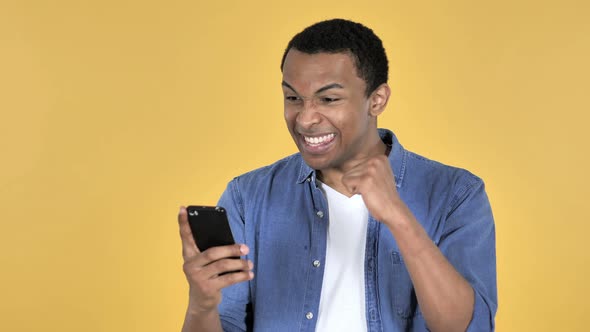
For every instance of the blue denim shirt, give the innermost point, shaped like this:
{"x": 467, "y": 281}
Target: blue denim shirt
{"x": 282, "y": 215}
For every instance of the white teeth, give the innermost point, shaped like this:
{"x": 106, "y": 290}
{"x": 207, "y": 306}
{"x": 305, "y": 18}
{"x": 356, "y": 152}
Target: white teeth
{"x": 318, "y": 140}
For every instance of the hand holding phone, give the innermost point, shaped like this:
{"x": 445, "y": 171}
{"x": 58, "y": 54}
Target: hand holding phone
{"x": 207, "y": 265}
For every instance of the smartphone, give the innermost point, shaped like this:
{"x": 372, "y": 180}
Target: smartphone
{"x": 209, "y": 226}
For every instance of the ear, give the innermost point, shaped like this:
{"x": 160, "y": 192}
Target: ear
{"x": 378, "y": 99}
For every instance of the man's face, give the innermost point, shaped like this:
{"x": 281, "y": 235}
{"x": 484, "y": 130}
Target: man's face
{"x": 326, "y": 109}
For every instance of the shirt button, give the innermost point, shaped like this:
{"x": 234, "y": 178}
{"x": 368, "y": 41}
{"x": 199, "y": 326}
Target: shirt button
{"x": 316, "y": 263}
{"x": 309, "y": 315}
{"x": 308, "y": 179}
{"x": 320, "y": 214}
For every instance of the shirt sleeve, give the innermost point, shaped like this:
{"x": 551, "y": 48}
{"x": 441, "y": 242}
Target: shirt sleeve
{"x": 469, "y": 243}
{"x": 235, "y": 308}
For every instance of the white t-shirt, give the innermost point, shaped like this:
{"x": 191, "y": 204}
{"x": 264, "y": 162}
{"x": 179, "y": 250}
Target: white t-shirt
{"x": 342, "y": 300}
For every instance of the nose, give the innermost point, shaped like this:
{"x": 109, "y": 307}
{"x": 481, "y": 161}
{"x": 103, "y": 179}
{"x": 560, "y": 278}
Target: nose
{"x": 308, "y": 114}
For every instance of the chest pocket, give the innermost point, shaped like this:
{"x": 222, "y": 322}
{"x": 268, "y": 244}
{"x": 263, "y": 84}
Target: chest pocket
{"x": 403, "y": 294}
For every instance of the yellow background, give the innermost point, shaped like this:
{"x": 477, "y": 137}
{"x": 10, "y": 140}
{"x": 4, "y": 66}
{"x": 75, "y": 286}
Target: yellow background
{"x": 113, "y": 113}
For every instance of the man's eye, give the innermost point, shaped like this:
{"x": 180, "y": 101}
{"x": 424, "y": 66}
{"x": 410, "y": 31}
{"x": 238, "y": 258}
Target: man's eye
{"x": 292, "y": 98}
{"x": 328, "y": 100}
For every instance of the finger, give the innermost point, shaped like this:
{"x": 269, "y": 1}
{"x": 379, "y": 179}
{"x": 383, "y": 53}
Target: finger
{"x": 189, "y": 248}
{"x": 223, "y": 266}
{"x": 352, "y": 181}
{"x": 350, "y": 186}
{"x": 216, "y": 253}
{"x": 231, "y": 279}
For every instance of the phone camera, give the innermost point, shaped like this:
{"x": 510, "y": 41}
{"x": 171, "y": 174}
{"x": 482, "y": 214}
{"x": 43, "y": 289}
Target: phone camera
{"x": 193, "y": 213}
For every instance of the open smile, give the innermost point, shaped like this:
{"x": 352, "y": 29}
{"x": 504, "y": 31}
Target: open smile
{"x": 319, "y": 140}
{"x": 318, "y": 144}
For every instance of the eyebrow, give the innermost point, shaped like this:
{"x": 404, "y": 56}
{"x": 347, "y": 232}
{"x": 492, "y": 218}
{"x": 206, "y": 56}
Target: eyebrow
{"x": 322, "y": 89}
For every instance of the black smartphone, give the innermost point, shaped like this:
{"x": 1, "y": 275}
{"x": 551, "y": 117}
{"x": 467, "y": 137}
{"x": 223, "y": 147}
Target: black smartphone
{"x": 209, "y": 226}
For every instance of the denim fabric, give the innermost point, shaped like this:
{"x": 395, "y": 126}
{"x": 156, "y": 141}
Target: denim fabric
{"x": 282, "y": 215}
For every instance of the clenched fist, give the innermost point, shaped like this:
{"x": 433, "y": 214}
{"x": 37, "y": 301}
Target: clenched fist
{"x": 373, "y": 179}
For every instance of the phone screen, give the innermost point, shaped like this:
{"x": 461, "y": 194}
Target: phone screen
{"x": 209, "y": 226}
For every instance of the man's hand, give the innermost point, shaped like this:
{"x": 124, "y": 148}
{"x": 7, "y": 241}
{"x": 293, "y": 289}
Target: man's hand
{"x": 203, "y": 269}
{"x": 373, "y": 179}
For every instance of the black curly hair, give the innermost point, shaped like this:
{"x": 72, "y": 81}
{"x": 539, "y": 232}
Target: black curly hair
{"x": 343, "y": 36}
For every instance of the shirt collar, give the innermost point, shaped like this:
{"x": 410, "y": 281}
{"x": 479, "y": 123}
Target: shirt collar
{"x": 397, "y": 160}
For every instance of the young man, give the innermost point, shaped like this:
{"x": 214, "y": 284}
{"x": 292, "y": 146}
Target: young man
{"x": 353, "y": 233}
